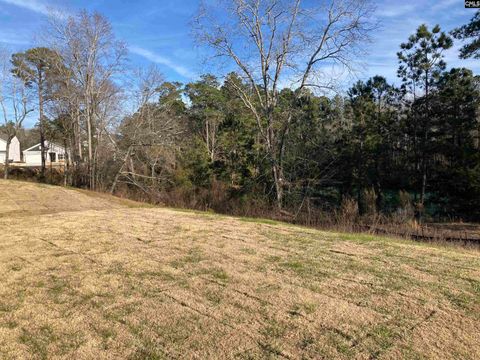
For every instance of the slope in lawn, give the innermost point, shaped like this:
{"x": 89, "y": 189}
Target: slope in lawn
{"x": 151, "y": 283}
{"x": 23, "y": 198}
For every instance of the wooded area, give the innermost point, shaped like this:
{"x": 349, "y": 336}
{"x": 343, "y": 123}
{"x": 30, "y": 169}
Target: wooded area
{"x": 274, "y": 137}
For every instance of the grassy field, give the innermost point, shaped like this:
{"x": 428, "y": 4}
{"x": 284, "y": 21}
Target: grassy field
{"x": 92, "y": 277}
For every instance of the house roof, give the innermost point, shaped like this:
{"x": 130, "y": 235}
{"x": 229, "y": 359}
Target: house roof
{"x": 47, "y": 145}
{"x": 35, "y": 147}
{"x": 3, "y": 137}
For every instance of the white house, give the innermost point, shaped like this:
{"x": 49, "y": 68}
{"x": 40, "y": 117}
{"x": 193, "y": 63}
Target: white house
{"x": 55, "y": 155}
{"x": 14, "y": 154}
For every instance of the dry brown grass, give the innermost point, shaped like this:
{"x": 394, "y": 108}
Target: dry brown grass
{"x": 92, "y": 278}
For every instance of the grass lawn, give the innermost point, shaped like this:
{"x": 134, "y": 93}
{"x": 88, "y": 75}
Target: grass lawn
{"x": 91, "y": 277}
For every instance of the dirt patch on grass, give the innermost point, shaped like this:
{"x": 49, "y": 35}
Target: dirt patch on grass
{"x": 150, "y": 283}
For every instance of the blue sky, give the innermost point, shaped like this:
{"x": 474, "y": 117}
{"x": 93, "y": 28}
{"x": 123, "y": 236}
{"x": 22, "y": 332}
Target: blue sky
{"x": 158, "y": 31}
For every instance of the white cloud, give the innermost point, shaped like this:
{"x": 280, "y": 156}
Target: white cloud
{"x": 443, "y": 4}
{"x": 13, "y": 41}
{"x": 395, "y": 10}
{"x": 32, "y": 5}
{"x": 38, "y": 7}
{"x": 10, "y": 38}
{"x": 159, "y": 59}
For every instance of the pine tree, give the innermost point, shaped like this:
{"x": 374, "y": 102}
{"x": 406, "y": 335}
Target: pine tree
{"x": 470, "y": 31}
{"x": 38, "y": 66}
{"x": 421, "y": 62}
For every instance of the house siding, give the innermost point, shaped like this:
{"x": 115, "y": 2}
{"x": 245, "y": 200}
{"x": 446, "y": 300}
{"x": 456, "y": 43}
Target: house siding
{"x": 14, "y": 153}
{"x": 33, "y": 157}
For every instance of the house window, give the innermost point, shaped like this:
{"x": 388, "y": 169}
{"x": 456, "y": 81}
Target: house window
{"x": 61, "y": 157}
{"x": 53, "y": 157}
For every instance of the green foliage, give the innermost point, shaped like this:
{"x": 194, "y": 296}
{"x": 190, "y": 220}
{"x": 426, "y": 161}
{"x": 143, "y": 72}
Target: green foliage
{"x": 195, "y": 165}
{"x": 471, "y": 32}
{"x": 370, "y": 140}
{"x": 209, "y": 144}
{"x": 421, "y": 57}
{"x": 40, "y": 66}
{"x": 170, "y": 96}
{"x": 365, "y": 147}
{"x": 456, "y": 161}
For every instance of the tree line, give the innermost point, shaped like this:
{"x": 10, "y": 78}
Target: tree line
{"x": 272, "y": 135}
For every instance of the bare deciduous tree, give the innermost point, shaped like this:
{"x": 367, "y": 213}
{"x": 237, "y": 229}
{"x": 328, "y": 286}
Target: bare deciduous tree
{"x": 149, "y": 134}
{"x": 94, "y": 58}
{"x": 278, "y": 42}
{"x": 14, "y": 103}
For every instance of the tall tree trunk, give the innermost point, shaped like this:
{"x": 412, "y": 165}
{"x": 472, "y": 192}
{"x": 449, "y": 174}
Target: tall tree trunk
{"x": 90, "y": 147}
{"x": 42, "y": 124}
{"x": 425, "y": 142}
{"x": 78, "y": 137}
{"x": 95, "y": 173}
{"x": 278, "y": 179}
{"x": 77, "y": 154}
{"x": 65, "y": 163}
{"x": 117, "y": 175}
{"x": 7, "y": 155}
{"x": 275, "y": 158}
